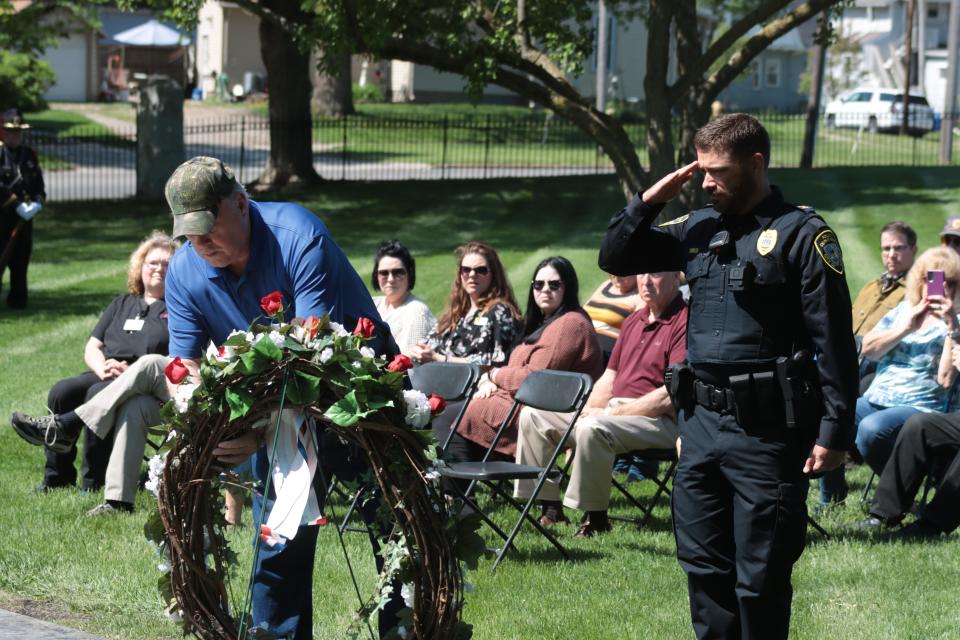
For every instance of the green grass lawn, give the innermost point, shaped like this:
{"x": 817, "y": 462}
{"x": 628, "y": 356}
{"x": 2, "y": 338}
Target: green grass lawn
{"x": 99, "y": 575}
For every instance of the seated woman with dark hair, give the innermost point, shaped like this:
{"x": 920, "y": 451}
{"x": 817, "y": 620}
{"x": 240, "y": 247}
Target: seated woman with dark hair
{"x": 557, "y": 334}
{"x": 394, "y": 274}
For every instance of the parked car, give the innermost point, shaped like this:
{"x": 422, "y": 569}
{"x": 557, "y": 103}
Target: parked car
{"x": 879, "y": 109}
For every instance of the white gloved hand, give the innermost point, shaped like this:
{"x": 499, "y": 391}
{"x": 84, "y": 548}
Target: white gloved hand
{"x": 27, "y": 210}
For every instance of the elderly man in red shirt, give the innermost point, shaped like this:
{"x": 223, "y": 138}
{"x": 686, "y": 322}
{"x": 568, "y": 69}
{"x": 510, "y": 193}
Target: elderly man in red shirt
{"x": 628, "y": 410}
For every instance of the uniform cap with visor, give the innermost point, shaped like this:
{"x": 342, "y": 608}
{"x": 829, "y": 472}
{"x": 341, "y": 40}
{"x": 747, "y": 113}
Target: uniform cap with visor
{"x": 194, "y": 193}
{"x": 13, "y": 119}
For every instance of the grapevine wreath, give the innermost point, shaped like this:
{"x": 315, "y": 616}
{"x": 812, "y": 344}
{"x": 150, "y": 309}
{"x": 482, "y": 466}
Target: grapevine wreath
{"x": 319, "y": 368}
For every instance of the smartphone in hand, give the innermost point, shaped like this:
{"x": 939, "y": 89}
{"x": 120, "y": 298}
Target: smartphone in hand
{"x": 935, "y": 282}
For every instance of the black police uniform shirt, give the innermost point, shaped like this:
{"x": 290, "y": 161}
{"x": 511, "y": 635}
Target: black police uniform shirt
{"x": 794, "y": 296}
{"x": 130, "y": 328}
{"x": 20, "y": 174}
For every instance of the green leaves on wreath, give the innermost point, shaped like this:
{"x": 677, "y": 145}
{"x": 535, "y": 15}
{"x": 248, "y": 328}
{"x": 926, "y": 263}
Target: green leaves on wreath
{"x": 240, "y": 402}
{"x": 347, "y": 411}
{"x": 303, "y": 388}
{"x": 468, "y": 545}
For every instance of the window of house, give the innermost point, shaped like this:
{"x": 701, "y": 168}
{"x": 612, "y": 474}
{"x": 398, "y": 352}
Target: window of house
{"x": 756, "y": 80}
{"x": 772, "y": 75}
{"x": 932, "y": 13}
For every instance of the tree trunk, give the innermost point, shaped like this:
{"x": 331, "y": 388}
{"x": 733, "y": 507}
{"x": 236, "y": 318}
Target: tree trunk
{"x": 816, "y": 94}
{"x": 333, "y": 93}
{"x": 659, "y": 116}
{"x": 908, "y": 67}
{"x": 291, "y": 135}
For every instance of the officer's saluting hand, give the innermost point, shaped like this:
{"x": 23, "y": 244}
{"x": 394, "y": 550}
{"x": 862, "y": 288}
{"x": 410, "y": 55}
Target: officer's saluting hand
{"x": 770, "y": 384}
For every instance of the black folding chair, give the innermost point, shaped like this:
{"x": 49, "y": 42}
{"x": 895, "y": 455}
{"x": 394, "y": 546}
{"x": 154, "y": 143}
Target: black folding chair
{"x": 452, "y": 381}
{"x": 547, "y": 390}
{"x": 662, "y": 480}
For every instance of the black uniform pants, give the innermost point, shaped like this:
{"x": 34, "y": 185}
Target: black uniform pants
{"x": 739, "y": 513}
{"x": 19, "y": 259}
{"x": 927, "y": 442}
{"x": 59, "y": 471}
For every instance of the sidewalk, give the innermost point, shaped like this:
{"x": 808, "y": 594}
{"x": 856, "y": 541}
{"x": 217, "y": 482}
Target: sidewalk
{"x": 14, "y": 626}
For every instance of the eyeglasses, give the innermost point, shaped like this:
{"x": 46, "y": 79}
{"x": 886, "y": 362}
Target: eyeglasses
{"x": 480, "y": 271}
{"x": 553, "y": 284}
{"x": 396, "y": 273}
{"x": 950, "y": 241}
{"x": 156, "y": 264}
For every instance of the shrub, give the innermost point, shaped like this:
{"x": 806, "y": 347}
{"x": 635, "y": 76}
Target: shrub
{"x": 367, "y": 93}
{"x": 23, "y": 81}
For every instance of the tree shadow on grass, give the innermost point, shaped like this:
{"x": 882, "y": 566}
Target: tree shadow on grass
{"x": 838, "y": 188}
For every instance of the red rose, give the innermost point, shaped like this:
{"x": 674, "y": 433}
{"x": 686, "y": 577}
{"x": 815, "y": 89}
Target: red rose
{"x": 176, "y": 371}
{"x": 272, "y": 304}
{"x": 312, "y": 325}
{"x": 437, "y": 404}
{"x": 400, "y": 363}
{"x": 365, "y": 328}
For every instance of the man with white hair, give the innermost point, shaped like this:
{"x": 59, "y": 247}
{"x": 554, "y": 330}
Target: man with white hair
{"x": 628, "y": 410}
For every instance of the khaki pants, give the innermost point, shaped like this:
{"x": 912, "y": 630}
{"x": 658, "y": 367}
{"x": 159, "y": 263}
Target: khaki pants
{"x": 597, "y": 440}
{"x": 129, "y": 406}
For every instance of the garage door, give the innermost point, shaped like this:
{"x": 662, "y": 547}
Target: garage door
{"x": 69, "y": 62}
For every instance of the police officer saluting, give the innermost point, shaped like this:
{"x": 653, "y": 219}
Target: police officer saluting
{"x": 21, "y": 194}
{"x": 770, "y": 384}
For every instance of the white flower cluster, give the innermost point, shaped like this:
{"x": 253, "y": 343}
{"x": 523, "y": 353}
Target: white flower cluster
{"x": 184, "y": 393}
{"x": 154, "y": 470}
{"x": 418, "y": 408}
{"x": 338, "y": 330}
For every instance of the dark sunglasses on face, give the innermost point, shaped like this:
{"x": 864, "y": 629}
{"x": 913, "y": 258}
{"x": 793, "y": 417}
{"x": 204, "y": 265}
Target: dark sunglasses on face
{"x": 553, "y": 284}
{"x": 396, "y": 273}
{"x": 480, "y": 271}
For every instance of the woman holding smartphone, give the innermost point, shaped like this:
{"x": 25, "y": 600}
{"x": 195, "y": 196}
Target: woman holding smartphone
{"x": 914, "y": 370}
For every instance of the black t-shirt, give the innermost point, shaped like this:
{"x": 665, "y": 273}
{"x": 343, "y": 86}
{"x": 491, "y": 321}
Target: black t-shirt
{"x": 129, "y": 344}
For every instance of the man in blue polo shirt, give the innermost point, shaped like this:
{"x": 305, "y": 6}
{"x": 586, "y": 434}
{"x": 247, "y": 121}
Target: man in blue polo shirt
{"x": 238, "y": 251}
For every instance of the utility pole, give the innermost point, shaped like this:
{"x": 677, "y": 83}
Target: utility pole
{"x": 950, "y": 100}
{"x": 816, "y": 94}
{"x": 602, "y": 43}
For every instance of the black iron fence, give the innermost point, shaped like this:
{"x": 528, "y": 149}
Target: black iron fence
{"x": 95, "y": 165}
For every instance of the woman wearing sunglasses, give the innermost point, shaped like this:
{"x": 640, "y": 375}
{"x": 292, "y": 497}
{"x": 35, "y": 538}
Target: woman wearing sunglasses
{"x": 394, "y": 274}
{"x": 482, "y": 320}
{"x": 557, "y": 334}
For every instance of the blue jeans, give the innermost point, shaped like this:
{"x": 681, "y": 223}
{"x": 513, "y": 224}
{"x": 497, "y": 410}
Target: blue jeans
{"x": 283, "y": 578}
{"x": 877, "y": 429}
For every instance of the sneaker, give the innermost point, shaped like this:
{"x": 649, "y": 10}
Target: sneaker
{"x": 43, "y": 431}
{"x": 107, "y": 508}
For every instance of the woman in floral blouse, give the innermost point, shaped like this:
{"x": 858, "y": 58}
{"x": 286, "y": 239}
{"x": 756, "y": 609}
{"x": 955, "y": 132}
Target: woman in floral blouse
{"x": 480, "y": 324}
{"x": 482, "y": 320}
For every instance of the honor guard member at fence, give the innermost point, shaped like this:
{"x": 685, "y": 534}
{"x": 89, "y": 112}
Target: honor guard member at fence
{"x": 768, "y": 390}
{"x": 238, "y": 251}
{"x": 21, "y": 195}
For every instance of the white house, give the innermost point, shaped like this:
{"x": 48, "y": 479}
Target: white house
{"x": 879, "y": 28}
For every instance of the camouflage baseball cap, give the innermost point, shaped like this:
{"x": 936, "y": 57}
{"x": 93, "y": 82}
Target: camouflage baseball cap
{"x": 194, "y": 193}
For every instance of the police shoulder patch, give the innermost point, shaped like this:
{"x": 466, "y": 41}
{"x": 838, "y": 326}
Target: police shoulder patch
{"x": 829, "y": 249}
{"x": 679, "y": 220}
